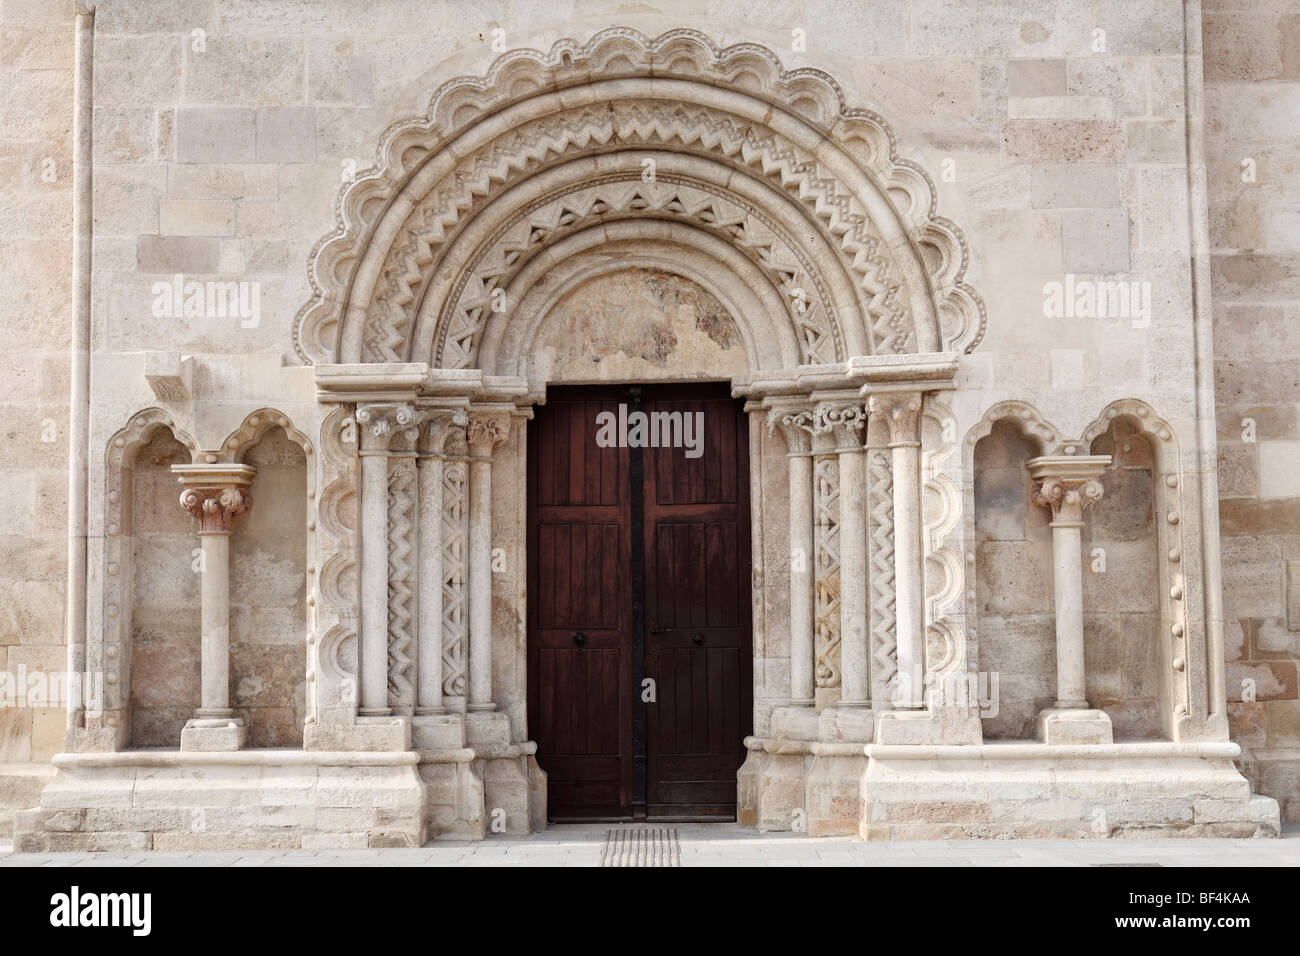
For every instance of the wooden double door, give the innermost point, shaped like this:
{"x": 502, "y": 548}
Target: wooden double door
{"x": 639, "y": 641}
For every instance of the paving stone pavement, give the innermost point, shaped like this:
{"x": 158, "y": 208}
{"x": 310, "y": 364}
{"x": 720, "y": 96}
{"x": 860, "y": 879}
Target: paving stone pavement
{"x": 727, "y": 845}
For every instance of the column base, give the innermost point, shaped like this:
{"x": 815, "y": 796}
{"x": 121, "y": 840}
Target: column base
{"x": 213, "y": 734}
{"x": 438, "y": 731}
{"x": 361, "y": 733}
{"x": 1070, "y": 725}
{"x": 795, "y": 722}
{"x": 847, "y": 724}
{"x": 943, "y": 725}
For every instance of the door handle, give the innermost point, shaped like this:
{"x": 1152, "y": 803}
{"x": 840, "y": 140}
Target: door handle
{"x": 698, "y": 637}
{"x": 580, "y": 639}
{"x": 657, "y": 629}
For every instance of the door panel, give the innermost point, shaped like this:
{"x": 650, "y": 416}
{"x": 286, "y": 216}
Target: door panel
{"x": 697, "y": 609}
{"x": 579, "y": 609}
{"x": 585, "y": 581}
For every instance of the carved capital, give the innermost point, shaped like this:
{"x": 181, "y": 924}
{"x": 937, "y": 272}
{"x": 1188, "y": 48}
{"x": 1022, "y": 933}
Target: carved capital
{"x": 796, "y": 424}
{"x": 440, "y": 428}
{"x": 216, "y": 508}
{"x": 1067, "y": 484}
{"x": 902, "y": 414}
{"x": 485, "y": 431}
{"x": 843, "y": 422}
{"x": 216, "y": 494}
{"x": 387, "y": 426}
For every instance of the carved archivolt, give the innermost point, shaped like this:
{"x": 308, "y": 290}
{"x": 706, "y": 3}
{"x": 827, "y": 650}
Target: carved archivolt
{"x": 504, "y": 166}
{"x": 255, "y": 426}
{"x": 810, "y": 300}
{"x": 1024, "y": 416}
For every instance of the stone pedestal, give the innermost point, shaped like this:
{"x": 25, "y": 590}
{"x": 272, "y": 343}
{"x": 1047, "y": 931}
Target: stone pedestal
{"x": 1084, "y": 725}
{"x": 212, "y": 735}
{"x": 1028, "y": 790}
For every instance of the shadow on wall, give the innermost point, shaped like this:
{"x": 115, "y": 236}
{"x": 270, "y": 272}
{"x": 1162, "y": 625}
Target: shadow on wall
{"x": 1121, "y": 588}
{"x": 268, "y": 611}
{"x": 165, "y": 622}
{"x": 1013, "y": 583}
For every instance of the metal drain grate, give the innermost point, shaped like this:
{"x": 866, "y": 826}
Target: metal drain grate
{"x": 651, "y": 846}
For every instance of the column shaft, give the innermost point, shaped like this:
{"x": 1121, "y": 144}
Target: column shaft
{"x": 1067, "y": 585}
{"x": 214, "y": 590}
{"x": 374, "y": 584}
{"x": 429, "y": 642}
{"x": 854, "y": 677}
{"x": 480, "y": 585}
{"x": 801, "y": 580}
{"x": 909, "y": 578}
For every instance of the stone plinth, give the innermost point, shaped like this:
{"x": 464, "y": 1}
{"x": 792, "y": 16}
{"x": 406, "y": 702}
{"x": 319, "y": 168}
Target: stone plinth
{"x": 1035, "y": 791}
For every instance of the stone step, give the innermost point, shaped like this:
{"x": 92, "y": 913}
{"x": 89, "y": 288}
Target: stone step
{"x": 20, "y": 789}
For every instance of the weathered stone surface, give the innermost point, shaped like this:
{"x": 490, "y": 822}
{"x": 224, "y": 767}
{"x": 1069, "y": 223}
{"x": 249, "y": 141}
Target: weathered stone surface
{"x": 1062, "y": 141}
{"x": 216, "y": 135}
{"x": 1065, "y": 185}
{"x": 1036, "y": 78}
{"x": 1095, "y": 241}
{"x": 799, "y": 253}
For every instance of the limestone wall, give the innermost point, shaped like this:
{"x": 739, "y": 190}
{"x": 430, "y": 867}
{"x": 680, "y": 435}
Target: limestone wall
{"x": 1053, "y": 132}
{"x": 1252, "y": 113}
{"x": 35, "y": 310}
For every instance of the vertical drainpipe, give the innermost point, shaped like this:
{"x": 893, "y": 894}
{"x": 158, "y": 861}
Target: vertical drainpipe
{"x": 79, "y": 358}
{"x": 1203, "y": 332}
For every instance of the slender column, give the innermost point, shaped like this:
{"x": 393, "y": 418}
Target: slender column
{"x": 1069, "y": 485}
{"x": 83, "y": 161}
{"x": 846, "y": 422}
{"x": 217, "y": 496}
{"x": 215, "y": 604}
{"x": 378, "y": 423}
{"x": 485, "y": 432}
{"x": 902, "y": 413}
{"x": 796, "y": 425}
{"x": 433, "y": 438}
{"x": 758, "y": 554}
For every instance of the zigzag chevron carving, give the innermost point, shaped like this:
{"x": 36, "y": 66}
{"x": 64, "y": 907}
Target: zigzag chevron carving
{"x": 705, "y": 117}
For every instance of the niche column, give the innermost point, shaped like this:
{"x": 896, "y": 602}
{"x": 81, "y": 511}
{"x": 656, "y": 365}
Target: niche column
{"x": 902, "y": 413}
{"x": 217, "y": 495}
{"x": 1068, "y": 484}
{"x": 381, "y": 424}
{"x": 843, "y": 423}
{"x": 796, "y": 424}
{"x": 486, "y": 431}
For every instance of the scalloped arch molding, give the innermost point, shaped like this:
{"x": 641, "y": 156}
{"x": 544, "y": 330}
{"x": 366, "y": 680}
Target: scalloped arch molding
{"x": 738, "y": 168}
